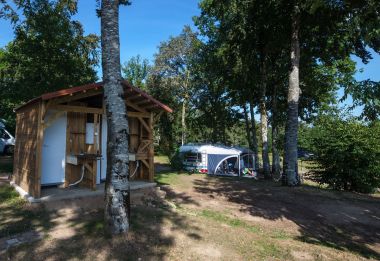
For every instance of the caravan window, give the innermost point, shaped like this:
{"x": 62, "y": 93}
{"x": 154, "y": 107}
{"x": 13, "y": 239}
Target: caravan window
{"x": 193, "y": 157}
{"x": 4, "y": 135}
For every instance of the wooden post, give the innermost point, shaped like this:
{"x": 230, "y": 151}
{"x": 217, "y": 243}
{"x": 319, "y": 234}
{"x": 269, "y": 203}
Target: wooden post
{"x": 141, "y": 170}
{"x": 151, "y": 149}
{"x": 40, "y": 140}
{"x": 95, "y": 162}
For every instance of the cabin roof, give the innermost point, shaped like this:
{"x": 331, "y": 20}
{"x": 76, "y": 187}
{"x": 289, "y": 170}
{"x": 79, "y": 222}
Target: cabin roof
{"x": 130, "y": 91}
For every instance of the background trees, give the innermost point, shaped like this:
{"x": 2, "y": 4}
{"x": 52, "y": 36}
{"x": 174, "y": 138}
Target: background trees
{"x": 49, "y": 52}
{"x": 247, "y": 74}
{"x": 136, "y": 70}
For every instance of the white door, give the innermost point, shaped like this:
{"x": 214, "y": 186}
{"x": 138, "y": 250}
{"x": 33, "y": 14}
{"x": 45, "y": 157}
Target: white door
{"x": 54, "y": 152}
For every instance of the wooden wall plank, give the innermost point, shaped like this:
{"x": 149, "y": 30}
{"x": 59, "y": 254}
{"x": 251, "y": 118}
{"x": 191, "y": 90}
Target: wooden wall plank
{"x": 25, "y": 154}
{"x": 151, "y": 150}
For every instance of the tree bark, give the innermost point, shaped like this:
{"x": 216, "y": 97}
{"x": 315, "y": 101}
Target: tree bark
{"x": 275, "y": 155}
{"x": 183, "y": 121}
{"x": 247, "y": 127}
{"x": 117, "y": 192}
{"x": 254, "y": 137}
{"x": 184, "y": 104}
{"x": 290, "y": 162}
{"x": 264, "y": 122}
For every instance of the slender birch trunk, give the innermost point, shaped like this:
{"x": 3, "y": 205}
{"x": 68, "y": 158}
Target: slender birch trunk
{"x": 247, "y": 127}
{"x": 290, "y": 162}
{"x": 254, "y": 137}
{"x": 275, "y": 155}
{"x": 184, "y": 104}
{"x": 117, "y": 192}
{"x": 183, "y": 121}
{"x": 264, "y": 122}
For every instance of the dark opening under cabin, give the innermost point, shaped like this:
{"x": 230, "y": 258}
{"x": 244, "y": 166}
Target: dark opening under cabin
{"x": 61, "y": 138}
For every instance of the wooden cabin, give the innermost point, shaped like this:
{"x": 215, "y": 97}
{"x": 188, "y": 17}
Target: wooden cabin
{"x": 61, "y": 138}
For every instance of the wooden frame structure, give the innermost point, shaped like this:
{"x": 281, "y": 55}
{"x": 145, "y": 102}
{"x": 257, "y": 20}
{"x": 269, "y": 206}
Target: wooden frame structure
{"x": 81, "y": 104}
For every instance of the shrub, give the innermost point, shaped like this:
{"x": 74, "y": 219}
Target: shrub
{"x": 348, "y": 154}
{"x": 176, "y": 160}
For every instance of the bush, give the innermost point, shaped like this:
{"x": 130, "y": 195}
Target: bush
{"x": 176, "y": 160}
{"x": 348, "y": 154}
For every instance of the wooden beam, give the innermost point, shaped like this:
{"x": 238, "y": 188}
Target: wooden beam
{"x": 146, "y": 126}
{"x": 141, "y": 156}
{"x": 48, "y": 103}
{"x": 145, "y": 163}
{"x": 134, "y": 106}
{"x": 135, "y": 97}
{"x": 151, "y": 150}
{"x": 81, "y": 109}
{"x": 78, "y": 96}
{"x": 40, "y": 139}
{"x": 145, "y": 101}
{"x": 151, "y": 106}
{"x": 138, "y": 114}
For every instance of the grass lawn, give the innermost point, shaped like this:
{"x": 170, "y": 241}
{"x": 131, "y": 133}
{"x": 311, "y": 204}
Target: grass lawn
{"x": 206, "y": 218}
{"x": 161, "y": 159}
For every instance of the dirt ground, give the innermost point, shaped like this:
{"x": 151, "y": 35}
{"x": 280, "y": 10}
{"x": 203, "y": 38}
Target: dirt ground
{"x": 211, "y": 218}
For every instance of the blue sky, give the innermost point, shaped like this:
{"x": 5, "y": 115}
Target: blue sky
{"x": 143, "y": 25}
{"x": 146, "y": 23}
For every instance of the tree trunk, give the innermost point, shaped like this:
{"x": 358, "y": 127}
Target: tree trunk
{"x": 275, "y": 154}
{"x": 290, "y": 162}
{"x": 264, "y": 122}
{"x": 117, "y": 192}
{"x": 254, "y": 137}
{"x": 183, "y": 121}
{"x": 247, "y": 127}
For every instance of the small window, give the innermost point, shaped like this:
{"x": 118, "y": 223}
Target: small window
{"x": 4, "y": 135}
{"x": 193, "y": 157}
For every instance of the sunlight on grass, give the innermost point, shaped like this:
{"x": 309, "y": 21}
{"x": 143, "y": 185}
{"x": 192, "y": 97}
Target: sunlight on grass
{"x": 225, "y": 219}
{"x": 167, "y": 178}
{"x": 161, "y": 159}
{"x": 267, "y": 249}
{"x": 179, "y": 180}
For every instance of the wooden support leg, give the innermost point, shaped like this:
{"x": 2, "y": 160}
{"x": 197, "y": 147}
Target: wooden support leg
{"x": 151, "y": 150}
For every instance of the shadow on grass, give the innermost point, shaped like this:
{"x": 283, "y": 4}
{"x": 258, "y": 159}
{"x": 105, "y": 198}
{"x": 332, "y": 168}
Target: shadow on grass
{"x": 340, "y": 223}
{"x": 18, "y": 216}
{"x": 150, "y": 236}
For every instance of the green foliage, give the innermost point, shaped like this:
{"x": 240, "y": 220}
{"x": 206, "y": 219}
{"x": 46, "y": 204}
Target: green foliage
{"x": 136, "y": 71}
{"x": 347, "y": 152}
{"x": 176, "y": 160}
{"x": 170, "y": 82}
{"x": 49, "y": 52}
{"x": 367, "y": 94}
